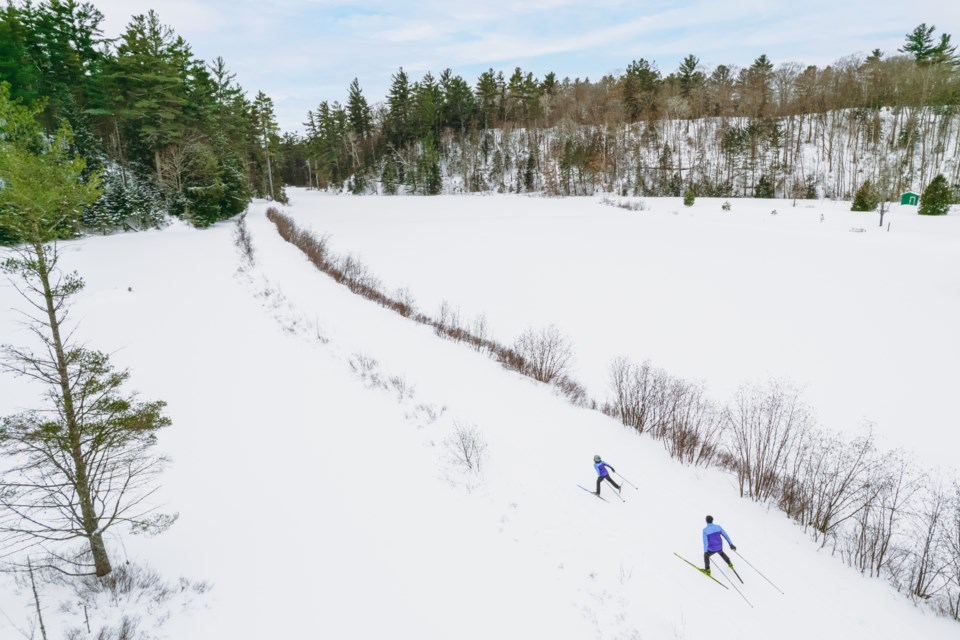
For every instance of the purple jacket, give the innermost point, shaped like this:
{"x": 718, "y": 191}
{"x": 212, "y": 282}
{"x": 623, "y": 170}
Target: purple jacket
{"x": 601, "y": 468}
{"x": 711, "y": 538}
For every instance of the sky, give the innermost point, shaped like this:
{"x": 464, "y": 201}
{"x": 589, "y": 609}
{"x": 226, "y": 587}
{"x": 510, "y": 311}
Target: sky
{"x": 302, "y": 52}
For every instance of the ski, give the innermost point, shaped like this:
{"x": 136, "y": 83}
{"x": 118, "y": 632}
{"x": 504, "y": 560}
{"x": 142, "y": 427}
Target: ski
{"x": 593, "y": 493}
{"x": 701, "y": 571}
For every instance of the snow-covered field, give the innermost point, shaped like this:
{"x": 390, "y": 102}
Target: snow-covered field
{"x": 862, "y": 319}
{"x": 321, "y": 503}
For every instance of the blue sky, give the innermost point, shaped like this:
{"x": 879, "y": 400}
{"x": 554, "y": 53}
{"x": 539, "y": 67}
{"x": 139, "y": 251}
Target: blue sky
{"x": 301, "y": 52}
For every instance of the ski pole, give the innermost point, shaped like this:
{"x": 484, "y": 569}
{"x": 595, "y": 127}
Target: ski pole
{"x": 625, "y": 480}
{"x": 758, "y": 571}
{"x": 732, "y": 584}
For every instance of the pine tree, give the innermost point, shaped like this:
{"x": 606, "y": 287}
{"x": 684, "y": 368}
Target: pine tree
{"x": 427, "y": 105}
{"x": 428, "y": 170}
{"x": 459, "y": 105}
{"x": 688, "y": 75}
{"x": 389, "y": 178}
{"x": 16, "y": 65}
{"x": 358, "y": 112}
{"x": 399, "y": 125}
{"x": 269, "y": 139}
{"x": 921, "y": 45}
{"x": 866, "y": 198}
{"x": 763, "y": 188}
{"x": 935, "y": 200}
{"x": 146, "y": 81}
{"x": 488, "y": 94}
{"x": 689, "y": 197}
{"x": 755, "y": 85}
{"x": 639, "y": 87}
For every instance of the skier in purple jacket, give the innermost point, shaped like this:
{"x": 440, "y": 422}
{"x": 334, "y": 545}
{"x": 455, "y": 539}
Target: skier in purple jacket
{"x": 713, "y": 536}
{"x": 602, "y": 473}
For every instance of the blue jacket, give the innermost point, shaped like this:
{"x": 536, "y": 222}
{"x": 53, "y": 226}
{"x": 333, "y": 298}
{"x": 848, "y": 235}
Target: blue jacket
{"x": 711, "y": 538}
{"x": 601, "y": 468}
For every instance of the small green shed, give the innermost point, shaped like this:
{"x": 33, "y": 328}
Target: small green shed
{"x": 909, "y": 197}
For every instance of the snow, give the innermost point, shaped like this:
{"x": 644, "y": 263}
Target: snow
{"x": 319, "y": 503}
{"x": 862, "y": 321}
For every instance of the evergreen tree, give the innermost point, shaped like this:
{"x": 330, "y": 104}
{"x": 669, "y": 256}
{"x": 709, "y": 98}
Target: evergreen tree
{"x": 428, "y": 170}
{"x": 45, "y": 188}
{"x": 400, "y": 105}
{"x": 269, "y": 139}
{"x": 689, "y": 197}
{"x": 358, "y": 112}
{"x": 755, "y": 86}
{"x": 921, "y": 46}
{"x": 16, "y": 65}
{"x": 147, "y": 88}
{"x": 488, "y": 94}
{"x": 935, "y": 200}
{"x": 389, "y": 178}
{"x": 459, "y": 105}
{"x": 640, "y": 87}
{"x": 866, "y": 198}
{"x": 428, "y": 103}
{"x": 763, "y": 188}
{"x": 688, "y": 75}
{"x": 516, "y": 106}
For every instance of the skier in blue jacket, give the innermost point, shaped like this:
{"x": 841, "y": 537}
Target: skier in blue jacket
{"x": 712, "y": 543}
{"x": 602, "y": 473}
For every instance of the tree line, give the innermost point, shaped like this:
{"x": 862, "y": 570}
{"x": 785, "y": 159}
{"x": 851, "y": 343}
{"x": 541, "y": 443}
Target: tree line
{"x": 629, "y": 131}
{"x": 166, "y": 131}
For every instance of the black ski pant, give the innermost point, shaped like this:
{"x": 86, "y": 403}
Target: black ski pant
{"x": 608, "y": 479}
{"x": 706, "y": 558}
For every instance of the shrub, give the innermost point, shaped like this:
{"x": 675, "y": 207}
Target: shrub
{"x": 241, "y": 238}
{"x": 546, "y": 353}
{"x": 688, "y": 198}
{"x": 465, "y": 447}
{"x": 726, "y": 206}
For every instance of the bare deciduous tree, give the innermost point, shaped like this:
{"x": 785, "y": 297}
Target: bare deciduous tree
{"x": 633, "y": 386}
{"x": 929, "y": 567}
{"x": 889, "y": 490}
{"x": 837, "y": 483}
{"x": 768, "y": 426}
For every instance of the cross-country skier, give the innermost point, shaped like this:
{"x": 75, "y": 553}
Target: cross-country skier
{"x": 602, "y": 474}
{"x": 712, "y": 543}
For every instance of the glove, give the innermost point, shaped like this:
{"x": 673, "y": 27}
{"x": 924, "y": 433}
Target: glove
{"x": 612, "y": 469}
{"x": 733, "y": 548}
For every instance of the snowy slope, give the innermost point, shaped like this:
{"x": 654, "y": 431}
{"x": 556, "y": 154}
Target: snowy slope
{"x": 862, "y": 321}
{"x": 322, "y": 506}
